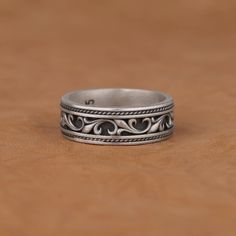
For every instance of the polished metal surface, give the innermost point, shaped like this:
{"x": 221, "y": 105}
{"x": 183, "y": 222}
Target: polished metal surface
{"x": 117, "y": 116}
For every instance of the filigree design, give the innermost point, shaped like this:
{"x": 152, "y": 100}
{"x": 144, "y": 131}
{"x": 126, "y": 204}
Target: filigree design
{"x": 117, "y": 127}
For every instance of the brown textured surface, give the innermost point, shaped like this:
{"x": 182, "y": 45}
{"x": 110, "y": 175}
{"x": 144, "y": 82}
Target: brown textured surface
{"x": 51, "y": 186}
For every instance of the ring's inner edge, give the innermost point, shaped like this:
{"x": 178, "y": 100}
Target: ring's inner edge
{"x": 115, "y": 98}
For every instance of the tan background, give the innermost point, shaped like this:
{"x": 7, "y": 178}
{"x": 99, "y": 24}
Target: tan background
{"x": 185, "y": 186}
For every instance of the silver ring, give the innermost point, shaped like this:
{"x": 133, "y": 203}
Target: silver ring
{"x": 117, "y": 116}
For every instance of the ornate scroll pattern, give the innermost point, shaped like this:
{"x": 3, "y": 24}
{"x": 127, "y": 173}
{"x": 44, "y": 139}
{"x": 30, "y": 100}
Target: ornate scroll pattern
{"x": 117, "y": 127}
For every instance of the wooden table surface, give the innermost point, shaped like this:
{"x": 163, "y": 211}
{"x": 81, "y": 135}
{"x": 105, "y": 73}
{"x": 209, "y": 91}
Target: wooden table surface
{"x": 185, "y": 186}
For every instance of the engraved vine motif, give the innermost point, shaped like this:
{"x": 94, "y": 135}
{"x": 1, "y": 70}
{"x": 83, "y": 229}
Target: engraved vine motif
{"x": 133, "y": 126}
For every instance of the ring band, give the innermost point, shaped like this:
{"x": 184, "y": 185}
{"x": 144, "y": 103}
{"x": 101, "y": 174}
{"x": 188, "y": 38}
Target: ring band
{"x": 117, "y": 116}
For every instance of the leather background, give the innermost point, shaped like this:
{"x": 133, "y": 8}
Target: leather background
{"x": 184, "y": 186}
